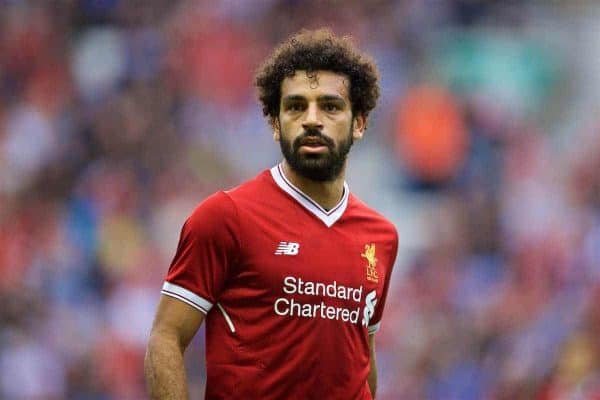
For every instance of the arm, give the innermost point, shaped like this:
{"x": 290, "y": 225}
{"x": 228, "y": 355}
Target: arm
{"x": 174, "y": 327}
{"x": 372, "y": 378}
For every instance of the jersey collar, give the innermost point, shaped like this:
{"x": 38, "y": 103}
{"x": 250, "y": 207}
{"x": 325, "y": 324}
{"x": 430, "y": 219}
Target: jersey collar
{"x": 327, "y": 217}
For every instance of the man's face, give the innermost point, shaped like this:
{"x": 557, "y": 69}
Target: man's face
{"x": 315, "y": 127}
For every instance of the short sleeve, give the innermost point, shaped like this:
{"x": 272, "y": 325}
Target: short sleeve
{"x": 208, "y": 249}
{"x": 375, "y": 322}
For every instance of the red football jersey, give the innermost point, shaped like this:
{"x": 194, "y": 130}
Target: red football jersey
{"x": 290, "y": 291}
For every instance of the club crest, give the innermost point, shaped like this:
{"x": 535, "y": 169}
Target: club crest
{"x": 369, "y": 255}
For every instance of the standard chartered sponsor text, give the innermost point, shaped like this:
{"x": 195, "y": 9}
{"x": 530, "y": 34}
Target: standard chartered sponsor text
{"x": 287, "y": 306}
{"x": 293, "y": 285}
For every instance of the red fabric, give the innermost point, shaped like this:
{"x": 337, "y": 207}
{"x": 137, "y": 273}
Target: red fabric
{"x": 227, "y": 255}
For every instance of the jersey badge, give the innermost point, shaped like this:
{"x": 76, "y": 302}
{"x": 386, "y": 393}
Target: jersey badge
{"x": 369, "y": 255}
{"x": 287, "y": 249}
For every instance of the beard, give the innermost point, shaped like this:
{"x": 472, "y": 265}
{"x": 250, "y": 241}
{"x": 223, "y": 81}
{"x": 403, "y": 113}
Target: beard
{"x": 317, "y": 167}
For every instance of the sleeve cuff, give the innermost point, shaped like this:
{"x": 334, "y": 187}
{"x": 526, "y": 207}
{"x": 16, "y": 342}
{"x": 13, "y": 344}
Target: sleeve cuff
{"x": 187, "y": 296}
{"x": 373, "y": 328}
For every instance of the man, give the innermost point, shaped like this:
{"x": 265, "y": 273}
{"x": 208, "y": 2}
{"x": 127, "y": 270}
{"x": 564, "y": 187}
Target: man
{"x": 289, "y": 270}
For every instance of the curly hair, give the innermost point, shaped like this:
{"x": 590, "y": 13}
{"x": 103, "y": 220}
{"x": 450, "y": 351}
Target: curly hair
{"x": 318, "y": 50}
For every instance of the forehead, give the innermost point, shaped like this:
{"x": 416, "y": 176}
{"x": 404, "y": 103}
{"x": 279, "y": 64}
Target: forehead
{"x": 317, "y": 83}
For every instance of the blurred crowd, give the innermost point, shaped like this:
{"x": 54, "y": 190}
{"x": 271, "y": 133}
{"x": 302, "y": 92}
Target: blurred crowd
{"x": 118, "y": 117}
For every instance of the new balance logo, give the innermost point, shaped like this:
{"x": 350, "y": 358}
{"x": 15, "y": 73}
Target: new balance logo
{"x": 287, "y": 249}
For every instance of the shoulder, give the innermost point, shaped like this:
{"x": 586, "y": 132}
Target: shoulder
{"x": 253, "y": 188}
{"x": 361, "y": 210}
{"x": 222, "y": 207}
{"x": 372, "y": 224}
{"x": 215, "y": 218}
{"x": 215, "y": 206}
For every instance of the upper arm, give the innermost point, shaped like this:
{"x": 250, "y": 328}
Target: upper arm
{"x": 176, "y": 320}
{"x": 390, "y": 249}
{"x": 207, "y": 249}
{"x": 207, "y": 252}
{"x": 372, "y": 350}
{"x": 372, "y": 343}
{"x": 372, "y": 378}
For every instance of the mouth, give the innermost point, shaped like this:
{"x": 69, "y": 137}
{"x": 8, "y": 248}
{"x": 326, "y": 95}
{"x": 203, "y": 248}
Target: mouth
{"x": 313, "y": 141}
{"x": 313, "y": 149}
{"x": 313, "y": 145}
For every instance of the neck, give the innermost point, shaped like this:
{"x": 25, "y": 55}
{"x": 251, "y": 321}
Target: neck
{"x": 326, "y": 194}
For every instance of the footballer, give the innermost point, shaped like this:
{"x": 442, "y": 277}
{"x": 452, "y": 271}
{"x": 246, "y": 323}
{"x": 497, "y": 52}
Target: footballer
{"x": 289, "y": 271}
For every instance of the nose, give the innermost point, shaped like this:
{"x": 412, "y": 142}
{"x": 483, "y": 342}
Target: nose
{"x": 313, "y": 118}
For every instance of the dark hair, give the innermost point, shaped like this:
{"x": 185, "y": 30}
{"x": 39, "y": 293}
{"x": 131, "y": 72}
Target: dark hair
{"x": 318, "y": 50}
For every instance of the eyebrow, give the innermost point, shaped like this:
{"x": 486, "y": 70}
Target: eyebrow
{"x": 293, "y": 97}
{"x": 327, "y": 97}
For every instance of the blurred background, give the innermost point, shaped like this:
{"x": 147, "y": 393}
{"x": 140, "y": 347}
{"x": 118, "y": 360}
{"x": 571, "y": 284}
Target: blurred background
{"x": 118, "y": 117}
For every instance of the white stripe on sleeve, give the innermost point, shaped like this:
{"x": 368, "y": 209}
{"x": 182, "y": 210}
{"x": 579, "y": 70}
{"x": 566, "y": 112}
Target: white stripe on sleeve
{"x": 187, "y": 296}
{"x": 373, "y": 328}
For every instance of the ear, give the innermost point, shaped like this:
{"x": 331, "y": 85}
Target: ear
{"x": 359, "y": 126}
{"x": 274, "y": 121}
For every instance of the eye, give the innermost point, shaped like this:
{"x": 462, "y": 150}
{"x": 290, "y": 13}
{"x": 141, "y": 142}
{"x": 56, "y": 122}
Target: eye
{"x": 331, "y": 107}
{"x": 295, "y": 107}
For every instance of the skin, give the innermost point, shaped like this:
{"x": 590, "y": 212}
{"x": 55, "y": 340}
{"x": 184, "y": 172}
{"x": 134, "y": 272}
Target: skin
{"x": 372, "y": 377}
{"x": 175, "y": 324}
{"x": 319, "y": 101}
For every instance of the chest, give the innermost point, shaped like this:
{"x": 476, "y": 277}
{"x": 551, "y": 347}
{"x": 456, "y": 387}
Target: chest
{"x": 304, "y": 258}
